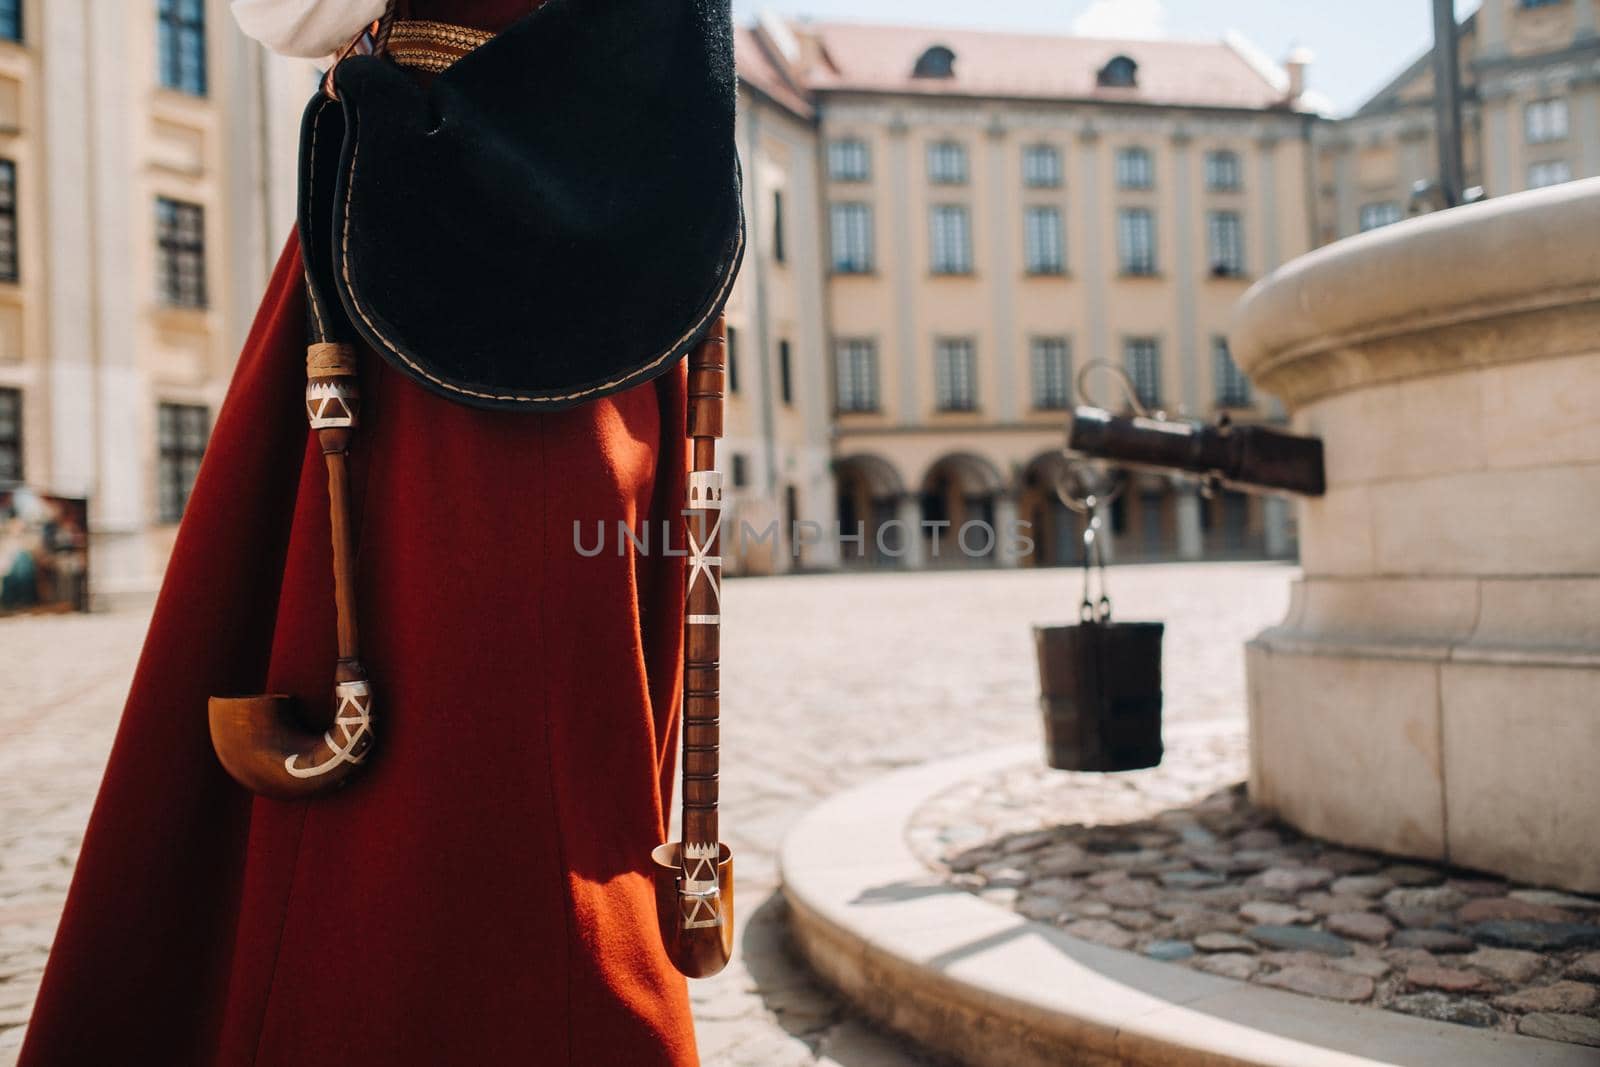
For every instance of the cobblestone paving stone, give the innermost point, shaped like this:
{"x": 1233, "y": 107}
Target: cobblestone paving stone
{"x": 828, "y": 681}
{"x": 1174, "y": 862}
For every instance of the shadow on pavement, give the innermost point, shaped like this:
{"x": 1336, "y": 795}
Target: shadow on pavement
{"x": 808, "y": 1010}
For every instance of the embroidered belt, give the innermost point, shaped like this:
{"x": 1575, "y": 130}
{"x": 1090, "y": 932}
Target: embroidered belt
{"x": 434, "y": 47}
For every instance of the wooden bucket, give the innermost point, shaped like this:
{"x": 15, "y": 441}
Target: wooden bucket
{"x": 1100, "y": 692}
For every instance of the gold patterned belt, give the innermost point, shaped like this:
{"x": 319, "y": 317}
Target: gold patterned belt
{"x": 418, "y": 44}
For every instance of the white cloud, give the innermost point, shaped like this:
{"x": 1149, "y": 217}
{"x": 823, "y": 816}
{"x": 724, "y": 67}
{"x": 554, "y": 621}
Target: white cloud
{"x": 1122, "y": 18}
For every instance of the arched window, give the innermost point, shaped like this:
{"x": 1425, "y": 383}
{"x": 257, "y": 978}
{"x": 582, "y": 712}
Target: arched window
{"x": 1120, "y": 72}
{"x": 936, "y": 62}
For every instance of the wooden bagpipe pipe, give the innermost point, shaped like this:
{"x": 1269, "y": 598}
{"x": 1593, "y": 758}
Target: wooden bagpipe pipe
{"x": 264, "y": 745}
{"x": 694, "y": 876}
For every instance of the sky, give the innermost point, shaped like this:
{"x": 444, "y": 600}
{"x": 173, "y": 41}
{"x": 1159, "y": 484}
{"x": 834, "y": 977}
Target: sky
{"x": 1357, "y": 45}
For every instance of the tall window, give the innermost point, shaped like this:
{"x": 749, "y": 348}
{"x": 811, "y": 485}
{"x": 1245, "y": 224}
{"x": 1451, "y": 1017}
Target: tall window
{"x": 1045, "y": 249}
{"x": 181, "y": 434}
{"x": 852, "y": 238}
{"x": 955, "y": 375}
{"x": 1136, "y": 240}
{"x": 1552, "y": 172}
{"x": 8, "y": 221}
{"x": 947, "y": 163}
{"x": 182, "y": 44}
{"x": 1233, "y": 388}
{"x": 849, "y": 160}
{"x": 1545, "y": 120}
{"x": 1134, "y": 169}
{"x": 10, "y": 435}
{"x": 1052, "y": 373}
{"x": 181, "y": 253}
{"x": 1382, "y": 213}
{"x": 785, "y": 374}
{"x": 1225, "y": 243}
{"x": 1041, "y": 167}
{"x": 952, "y": 240}
{"x": 856, "y": 370}
{"x": 1223, "y": 174}
{"x": 779, "y": 254}
{"x": 732, "y": 348}
{"x": 1143, "y": 358}
{"x": 741, "y": 470}
{"x": 11, "y": 20}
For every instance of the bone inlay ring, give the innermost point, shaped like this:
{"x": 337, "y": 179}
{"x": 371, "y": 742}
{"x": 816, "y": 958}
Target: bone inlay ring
{"x": 332, "y": 402}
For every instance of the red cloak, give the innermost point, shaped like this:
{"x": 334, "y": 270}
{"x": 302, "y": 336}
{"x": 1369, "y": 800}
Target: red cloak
{"x": 479, "y": 894}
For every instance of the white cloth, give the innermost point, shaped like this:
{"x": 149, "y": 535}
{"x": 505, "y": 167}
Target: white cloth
{"x": 309, "y": 29}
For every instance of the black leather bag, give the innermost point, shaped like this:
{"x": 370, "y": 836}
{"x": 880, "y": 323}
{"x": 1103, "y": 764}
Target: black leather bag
{"x": 554, "y": 218}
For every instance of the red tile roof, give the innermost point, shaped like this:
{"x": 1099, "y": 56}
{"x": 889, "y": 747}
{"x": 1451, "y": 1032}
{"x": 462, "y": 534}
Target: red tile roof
{"x": 878, "y": 58}
{"x": 757, "y": 70}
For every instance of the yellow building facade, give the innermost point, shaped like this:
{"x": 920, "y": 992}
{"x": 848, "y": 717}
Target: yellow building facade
{"x": 1530, "y": 73}
{"x": 135, "y": 143}
{"x": 992, "y": 225}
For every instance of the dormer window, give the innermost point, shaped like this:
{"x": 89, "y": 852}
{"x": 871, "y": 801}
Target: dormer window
{"x": 936, "y": 62}
{"x": 1120, "y": 73}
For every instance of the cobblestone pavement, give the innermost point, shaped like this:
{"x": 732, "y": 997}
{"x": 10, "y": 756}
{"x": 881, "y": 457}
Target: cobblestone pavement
{"x": 64, "y": 680}
{"x": 829, "y": 681}
{"x": 1173, "y": 862}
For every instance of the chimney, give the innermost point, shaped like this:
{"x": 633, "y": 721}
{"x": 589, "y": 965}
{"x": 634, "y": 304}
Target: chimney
{"x": 774, "y": 31}
{"x": 793, "y": 45}
{"x": 1295, "y": 65}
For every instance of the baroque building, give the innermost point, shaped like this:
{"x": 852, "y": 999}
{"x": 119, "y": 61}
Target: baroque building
{"x": 997, "y": 212}
{"x": 1530, "y": 72}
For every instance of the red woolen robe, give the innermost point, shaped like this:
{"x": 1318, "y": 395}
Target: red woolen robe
{"x": 479, "y": 894}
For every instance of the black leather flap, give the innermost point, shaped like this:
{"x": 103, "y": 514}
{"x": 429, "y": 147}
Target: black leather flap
{"x": 556, "y": 217}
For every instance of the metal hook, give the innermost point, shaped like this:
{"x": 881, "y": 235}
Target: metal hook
{"x": 1090, "y": 610}
{"x": 1129, "y": 389}
{"x": 1085, "y": 485}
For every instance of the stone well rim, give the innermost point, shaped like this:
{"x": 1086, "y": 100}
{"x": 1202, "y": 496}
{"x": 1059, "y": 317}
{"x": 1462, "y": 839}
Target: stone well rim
{"x": 1319, "y": 324}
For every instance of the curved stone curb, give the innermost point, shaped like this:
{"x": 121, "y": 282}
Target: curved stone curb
{"x": 982, "y": 984}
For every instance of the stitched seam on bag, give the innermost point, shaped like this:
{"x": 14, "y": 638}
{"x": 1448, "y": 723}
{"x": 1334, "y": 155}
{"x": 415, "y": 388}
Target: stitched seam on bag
{"x": 311, "y": 197}
{"x": 712, "y": 311}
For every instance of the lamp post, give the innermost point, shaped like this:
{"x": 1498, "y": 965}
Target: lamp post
{"x": 1447, "y": 102}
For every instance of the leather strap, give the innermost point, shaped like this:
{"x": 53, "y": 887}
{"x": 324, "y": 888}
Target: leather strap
{"x": 419, "y": 44}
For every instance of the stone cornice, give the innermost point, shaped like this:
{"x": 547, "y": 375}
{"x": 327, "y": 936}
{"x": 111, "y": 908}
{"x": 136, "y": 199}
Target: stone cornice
{"x": 1067, "y": 116}
{"x": 1588, "y": 48}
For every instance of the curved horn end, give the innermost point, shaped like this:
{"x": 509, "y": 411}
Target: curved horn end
{"x": 696, "y": 928}
{"x": 263, "y": 746}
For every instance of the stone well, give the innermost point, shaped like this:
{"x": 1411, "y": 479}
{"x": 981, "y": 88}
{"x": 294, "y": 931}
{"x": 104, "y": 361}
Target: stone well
{"x": 1435, "y": 688}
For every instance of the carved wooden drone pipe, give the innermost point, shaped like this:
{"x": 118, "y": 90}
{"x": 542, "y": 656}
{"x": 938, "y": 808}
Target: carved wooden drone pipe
{"x": 261, "y": 740}
{"x": 694, "y": 877}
